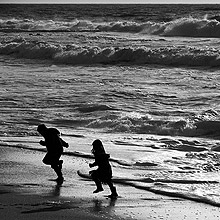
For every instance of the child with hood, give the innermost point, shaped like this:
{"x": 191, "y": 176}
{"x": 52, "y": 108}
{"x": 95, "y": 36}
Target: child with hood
{"x": 54, "y": 144}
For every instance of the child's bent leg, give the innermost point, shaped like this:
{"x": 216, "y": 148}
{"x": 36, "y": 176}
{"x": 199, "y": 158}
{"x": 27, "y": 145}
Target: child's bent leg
{"x": 97, "y": 182}
{"x": 98, "y": 185}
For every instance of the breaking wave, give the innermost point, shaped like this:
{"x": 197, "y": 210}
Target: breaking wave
{"x": 75, "y": 54}
{"x": 185, "y": 27}
{"x": 206, "y": 124}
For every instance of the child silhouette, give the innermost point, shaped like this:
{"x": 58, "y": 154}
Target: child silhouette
{"x": 104, "y": 172}
{"x": 54, "y": 144}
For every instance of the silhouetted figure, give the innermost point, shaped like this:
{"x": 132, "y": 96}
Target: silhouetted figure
{"x": 54, "y": 144}
{"x": 104, "y": 172}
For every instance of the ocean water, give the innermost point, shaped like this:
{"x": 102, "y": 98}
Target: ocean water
{"x": 143, "y": 78}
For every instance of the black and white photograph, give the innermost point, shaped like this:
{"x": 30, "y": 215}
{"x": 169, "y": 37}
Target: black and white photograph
{"x": 109, "y": 110}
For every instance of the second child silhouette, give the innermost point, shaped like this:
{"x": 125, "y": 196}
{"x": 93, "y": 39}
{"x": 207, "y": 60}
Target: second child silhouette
{"x": 103, "y": 174}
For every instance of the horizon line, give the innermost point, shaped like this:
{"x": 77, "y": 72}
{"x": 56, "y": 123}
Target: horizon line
{"x": 105, "y": 3}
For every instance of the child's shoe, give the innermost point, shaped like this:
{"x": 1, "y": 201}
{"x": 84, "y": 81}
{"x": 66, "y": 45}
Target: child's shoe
{"x": 98, "y": 190}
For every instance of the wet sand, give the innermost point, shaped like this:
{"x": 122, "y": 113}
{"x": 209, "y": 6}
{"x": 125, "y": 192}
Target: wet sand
{"x": 28, "y": 191}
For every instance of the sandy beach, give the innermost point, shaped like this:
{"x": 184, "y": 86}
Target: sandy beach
{"x": 28, "y": 192}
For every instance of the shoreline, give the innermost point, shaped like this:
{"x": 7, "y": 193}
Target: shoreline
{"x": 28, "y": 191}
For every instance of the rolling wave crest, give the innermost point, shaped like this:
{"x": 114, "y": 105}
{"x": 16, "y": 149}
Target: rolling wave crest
{"x": 75, "y": 54}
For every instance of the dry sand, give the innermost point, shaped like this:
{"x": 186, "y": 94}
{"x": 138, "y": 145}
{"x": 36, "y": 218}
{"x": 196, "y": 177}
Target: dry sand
{"x": 28, "y": 192}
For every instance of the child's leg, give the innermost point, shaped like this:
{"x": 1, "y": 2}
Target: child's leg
{"x": 97, "y": 182}
{"x": 61, "y": 164}
{"x": 58, "y": 171}
{"x": 98, "y": 185}
{"x": 57, "y": 165}
{"x": 113, "y": 189}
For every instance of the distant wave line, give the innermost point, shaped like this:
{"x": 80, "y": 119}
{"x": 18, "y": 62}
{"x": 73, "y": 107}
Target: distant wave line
{"x": 185, "y": 27}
